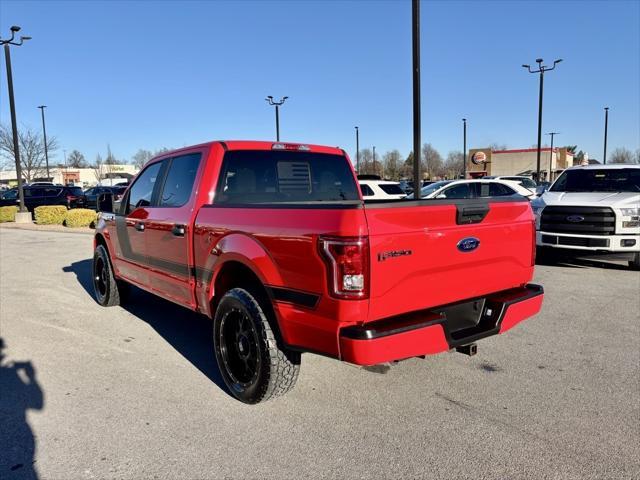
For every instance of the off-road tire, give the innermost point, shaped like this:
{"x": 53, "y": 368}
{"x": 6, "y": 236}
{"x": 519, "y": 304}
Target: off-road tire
{"x": 276, "y": 369}
{"x": 108, "y": 291}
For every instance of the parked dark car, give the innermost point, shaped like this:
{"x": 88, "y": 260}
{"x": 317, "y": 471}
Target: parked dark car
{"x": 93, "y": 193}
{"x": 70, "y": 197}
{"x": 9, "y": 197}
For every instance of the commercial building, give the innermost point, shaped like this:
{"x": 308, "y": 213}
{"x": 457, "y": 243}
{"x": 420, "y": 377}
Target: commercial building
{"x": 83, "y": 177}
{"x": 485, "y": 161}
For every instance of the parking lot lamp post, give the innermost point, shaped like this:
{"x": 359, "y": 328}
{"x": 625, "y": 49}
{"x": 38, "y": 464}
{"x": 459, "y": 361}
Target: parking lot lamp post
{"x": 606, "y": 128}
{"x": 277, "y": 105}
{"x": 415, "y": 42}
{"x": 12, "y": 106}
{"x": 553, "y": 134}
{"x": 464, "y": 148}
{"x": 541, "y": 70}
{"x": 357, "y": 150}
{"x": 44, "y": 134}
{"x": 374, "y": 159}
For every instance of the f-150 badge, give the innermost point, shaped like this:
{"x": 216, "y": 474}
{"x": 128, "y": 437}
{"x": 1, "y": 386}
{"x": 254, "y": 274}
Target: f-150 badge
{"x": 382, "y": 256}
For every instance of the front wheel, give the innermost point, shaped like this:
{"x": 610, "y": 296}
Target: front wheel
{"x": 254, "y": 368}
{"x": 109, "y": 291}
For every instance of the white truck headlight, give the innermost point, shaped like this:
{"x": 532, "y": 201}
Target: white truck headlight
{"x": 630, "y": 212}
{"x": 630, "y": 217}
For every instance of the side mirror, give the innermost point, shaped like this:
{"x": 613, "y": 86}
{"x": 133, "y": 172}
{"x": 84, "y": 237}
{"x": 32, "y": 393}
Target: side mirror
{"x": 105, "y": 203}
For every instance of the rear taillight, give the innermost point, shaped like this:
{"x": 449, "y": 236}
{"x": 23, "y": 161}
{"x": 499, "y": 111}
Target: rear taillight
{"x": 347, "y": 260}
{"x": 71, "y": 197}
{"x": 533, "y": 246}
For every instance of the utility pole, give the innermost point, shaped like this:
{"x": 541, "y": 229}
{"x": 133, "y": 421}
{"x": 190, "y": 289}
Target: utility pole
{"x": 464, "y": 148}
{"x": 415, "y": 37}
{"x": 277, "y": 105}
{"x": 606, "y": 129}
{"x": 12, "y": 105}
{"x": 357, "y": 150}
{"x": 541, "y": 70}
{"x": 553, "y": 134}
{"x": 44, "y": 134}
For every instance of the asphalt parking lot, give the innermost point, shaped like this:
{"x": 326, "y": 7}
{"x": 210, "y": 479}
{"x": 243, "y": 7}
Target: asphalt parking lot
{"x": 89, "y": 392}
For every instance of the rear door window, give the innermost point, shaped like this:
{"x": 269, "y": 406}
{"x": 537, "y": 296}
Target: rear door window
{"x": 33, "y": 192}
{"x": 366, "y": 190}
{"x": 391, "y": 188}
{"x": 179, "y": 181}
{"x": 276, "y": 176}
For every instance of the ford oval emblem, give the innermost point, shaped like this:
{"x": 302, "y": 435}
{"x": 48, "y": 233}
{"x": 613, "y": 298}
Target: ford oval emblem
{"x": 468, "y": 244}
{"x": 575, "y": 218}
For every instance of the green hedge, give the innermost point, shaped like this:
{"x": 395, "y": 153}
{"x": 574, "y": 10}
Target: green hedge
{"x": 8, "y": 214}
{"x": 80, "y": 217}
{"x": 50, "y": 214}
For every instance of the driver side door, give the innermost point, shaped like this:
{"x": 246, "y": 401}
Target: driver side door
{"x": 131, "y": 260}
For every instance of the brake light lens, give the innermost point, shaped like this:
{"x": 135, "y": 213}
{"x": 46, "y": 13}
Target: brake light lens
{"x": 347, "y": 260}
{"x": 71, "y": 197}
{"x": 290, "y": 146}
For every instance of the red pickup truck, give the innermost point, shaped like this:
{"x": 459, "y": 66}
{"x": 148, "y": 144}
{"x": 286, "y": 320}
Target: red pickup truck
{"x": 274, "y": 243}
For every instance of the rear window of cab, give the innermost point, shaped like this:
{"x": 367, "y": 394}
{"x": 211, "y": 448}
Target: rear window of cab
{"x": 268, "y": 176}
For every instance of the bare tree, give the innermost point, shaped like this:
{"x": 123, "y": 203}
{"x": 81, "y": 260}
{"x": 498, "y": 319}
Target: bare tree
{"x": 621, "y": 155}
{"x": 141, "y": 157}
{"x": 497, "y": 147}
{"x": 454, "y": 165}
{"x": 637, "y": 156}
{"x": 392, "y": 164}
{"x": 432, "y": 163}
{"x": 76, "y": 159}
{"x": 32, "y": 158}
{"x": 98, "y": 168}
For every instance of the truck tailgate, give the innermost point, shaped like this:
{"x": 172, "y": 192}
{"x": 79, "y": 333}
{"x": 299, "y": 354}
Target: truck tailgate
{"x": 426, "y": 253}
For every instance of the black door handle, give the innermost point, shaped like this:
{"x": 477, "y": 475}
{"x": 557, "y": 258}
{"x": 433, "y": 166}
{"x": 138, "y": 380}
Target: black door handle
{"x": 178, "y": 230}
{"x": 139, "y": 226}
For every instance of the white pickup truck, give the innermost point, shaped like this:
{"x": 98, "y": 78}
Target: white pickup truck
{"x": 592, "y": 209}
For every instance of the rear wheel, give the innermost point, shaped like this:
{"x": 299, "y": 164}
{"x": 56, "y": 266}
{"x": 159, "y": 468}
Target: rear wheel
{"x": 109, "y": 291}
{"x": 635, "y": 262}
{"x": 254, "y": 368}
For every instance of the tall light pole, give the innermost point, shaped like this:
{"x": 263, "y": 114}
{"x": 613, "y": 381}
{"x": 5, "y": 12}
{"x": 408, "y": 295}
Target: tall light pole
{"x": 606, "y": 129}
{"x": 357, "y": 150}
{"x": 415, "y": 42}
{"x": 277, "y": 105}
{"x": 464, "y": 148}
{"x": 12, "y": 104}
{"x": 44, "y": 134}
{"x": 541, "y": 70}
{"x": 553, "y": 134}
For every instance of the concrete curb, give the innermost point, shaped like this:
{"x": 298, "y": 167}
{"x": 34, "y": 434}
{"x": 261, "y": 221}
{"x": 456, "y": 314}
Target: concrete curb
{"x": 44, "y": 228}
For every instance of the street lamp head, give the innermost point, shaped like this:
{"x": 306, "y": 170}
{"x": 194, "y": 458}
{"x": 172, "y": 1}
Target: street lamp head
{"x": 526, "y": 66}
{"x": 23, "y": 39}
{"x": 42, "y": 106}
{"x": 539, "y": 60}
{"x": 464, "y": 119}
{"x": 270, "y": 96}
{"x": 284, "y": 98}
{"x": 557, "y": 61}
{"x": 15, "y": 28}
{"x": 606, "y": 108}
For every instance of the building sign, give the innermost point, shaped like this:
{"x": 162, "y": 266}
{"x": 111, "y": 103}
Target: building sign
{"x": 479, "y": 158}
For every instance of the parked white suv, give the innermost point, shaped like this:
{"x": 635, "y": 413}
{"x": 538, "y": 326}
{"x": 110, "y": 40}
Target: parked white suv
{"x": 592, "y": 208}
{"x": 381, "y": 190}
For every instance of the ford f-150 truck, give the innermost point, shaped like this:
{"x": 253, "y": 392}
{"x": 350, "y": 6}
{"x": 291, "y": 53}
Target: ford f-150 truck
{"x": 592, "y": 209}
{"x": 274, "y": 242}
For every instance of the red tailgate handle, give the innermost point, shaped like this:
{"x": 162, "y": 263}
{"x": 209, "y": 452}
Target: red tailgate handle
{"x": 471, "y": 213}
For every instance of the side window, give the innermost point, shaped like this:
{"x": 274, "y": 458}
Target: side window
{"x": 33, "y": 192}
{"x": 52, "y": 192}
{"x": 179, "y": 181}
{"x": 499, "y": 190}
{"x": 366, "y": 190}
{"x": 142, "y": 189}
{"x": 457, "y": 191}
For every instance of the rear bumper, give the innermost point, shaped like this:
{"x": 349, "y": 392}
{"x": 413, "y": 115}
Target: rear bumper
{"x": 438, "y": 330}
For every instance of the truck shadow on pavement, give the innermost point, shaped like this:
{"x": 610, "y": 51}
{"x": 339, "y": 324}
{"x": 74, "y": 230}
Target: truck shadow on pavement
{"x": 581, "y": 262}
{"x": 19, "y": 392}
{"x": 188, "y": 332}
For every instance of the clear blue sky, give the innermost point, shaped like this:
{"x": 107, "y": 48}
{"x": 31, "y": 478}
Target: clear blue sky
{"x": 150, "y": 74}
